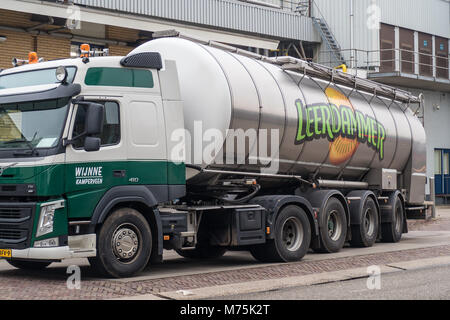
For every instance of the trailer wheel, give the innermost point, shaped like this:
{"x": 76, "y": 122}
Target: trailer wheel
{"x": 366, "y": 233}
{"x": 124, "y": 244}
{"x": 208, "y": 252}
{"x": 392, "y": 231}
{"x": 333, "y": 227}
{"x": 28, "y": 265}
{"x": 292, "y": 238}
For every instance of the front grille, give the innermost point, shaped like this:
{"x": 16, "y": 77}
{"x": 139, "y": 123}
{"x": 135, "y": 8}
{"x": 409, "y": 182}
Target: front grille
{"x": 14, "y": 214}
{"x": 9, "y": 188}
{"x": 16, "y": 221}
{"x": 17, "y": 190}
{"x": 9, "y": 213}
{"x": 13, "y": 235}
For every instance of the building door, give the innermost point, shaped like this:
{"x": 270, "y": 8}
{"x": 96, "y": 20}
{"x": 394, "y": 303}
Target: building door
{"x": 441, "y": 57}
{"x": 442, "y": 171}
{"x": 425, "y": 54}
{"x": 407, "y": 50}
{"x": 387, "y": 45}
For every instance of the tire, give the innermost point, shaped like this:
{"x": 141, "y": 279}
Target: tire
{"x": 208, "y": 252}
{"x": 392, "y": 231}
{"x": 333, "y": 227}
{"x": 132, "y": 236}
{"x": 364, "y": 235}
{"x": 292, "y": 234}
{"x": 28, "y": 265}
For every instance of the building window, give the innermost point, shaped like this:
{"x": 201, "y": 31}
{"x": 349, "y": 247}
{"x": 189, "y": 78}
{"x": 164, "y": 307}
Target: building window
{"x": 437, "y": 162}
{"x": 111, "y": 126}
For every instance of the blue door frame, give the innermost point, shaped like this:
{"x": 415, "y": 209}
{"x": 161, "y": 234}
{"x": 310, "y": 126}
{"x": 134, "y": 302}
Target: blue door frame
{"x": 442, "y": 176}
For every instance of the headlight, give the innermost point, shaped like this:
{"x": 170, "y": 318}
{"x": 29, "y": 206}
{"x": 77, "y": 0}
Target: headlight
{"x": 46, "y": 217}
{"x": 61, "y": 74}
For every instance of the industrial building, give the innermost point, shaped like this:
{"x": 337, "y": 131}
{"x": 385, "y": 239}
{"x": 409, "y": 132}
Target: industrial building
{"x": 403, "y": 43}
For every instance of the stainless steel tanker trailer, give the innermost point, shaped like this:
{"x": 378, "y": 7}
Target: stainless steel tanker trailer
{"x": 228, "y": 150}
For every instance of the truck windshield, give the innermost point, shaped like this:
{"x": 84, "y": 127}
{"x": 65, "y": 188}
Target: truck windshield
{"x": 32, "y": 125}
{"x": 33, "y": 78}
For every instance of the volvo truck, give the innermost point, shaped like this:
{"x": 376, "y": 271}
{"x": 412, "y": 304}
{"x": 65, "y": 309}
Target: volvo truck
{"x": 200, "y": 147}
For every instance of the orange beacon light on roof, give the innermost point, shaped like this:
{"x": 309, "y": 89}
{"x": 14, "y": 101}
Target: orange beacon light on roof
{"x": 33, "y": 58}
{"x": 85, "y": 50}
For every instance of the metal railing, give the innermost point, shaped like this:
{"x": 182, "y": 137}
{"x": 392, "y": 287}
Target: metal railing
{"x": 404, "y": 61}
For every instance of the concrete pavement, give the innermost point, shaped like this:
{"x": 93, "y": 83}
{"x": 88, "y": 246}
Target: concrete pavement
{"x": 416, "y": 283}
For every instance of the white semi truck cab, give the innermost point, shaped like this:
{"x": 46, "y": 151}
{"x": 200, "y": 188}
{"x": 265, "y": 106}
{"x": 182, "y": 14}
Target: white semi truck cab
{"x": 93, "y": 158}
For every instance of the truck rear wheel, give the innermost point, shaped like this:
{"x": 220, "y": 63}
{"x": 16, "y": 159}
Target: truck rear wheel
{"x": 292, "y": 234}
{"x": 392, "y": 231}
{"x": 124, "y": 244}
{"x": 333, "y": 227}
{"x": 207, "y": 252}
{"x": 365, "y": 234}
{"x": 28, "y": 265}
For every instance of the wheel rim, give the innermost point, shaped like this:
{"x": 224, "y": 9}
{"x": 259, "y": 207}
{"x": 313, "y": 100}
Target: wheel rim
{"x": 369, "y": 222}
{"x": 292, "y": 234}
{"x": 126, "y": 243}
{"x": 334, "y": 225}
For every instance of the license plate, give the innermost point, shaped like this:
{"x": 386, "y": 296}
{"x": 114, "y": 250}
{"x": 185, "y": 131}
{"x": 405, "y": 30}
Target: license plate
{"x": 5, "y": 253}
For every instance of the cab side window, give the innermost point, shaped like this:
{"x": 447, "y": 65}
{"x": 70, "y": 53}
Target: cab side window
{"x": 111, "y": 126}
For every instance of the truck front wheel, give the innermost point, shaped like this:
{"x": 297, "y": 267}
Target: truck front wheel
{"x": 124, "y": 244}
{"x": 292, "y": 237}
{"x": 28, "y": 265}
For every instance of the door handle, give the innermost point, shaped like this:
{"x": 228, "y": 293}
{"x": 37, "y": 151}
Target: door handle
{"x": 119, "y": 173}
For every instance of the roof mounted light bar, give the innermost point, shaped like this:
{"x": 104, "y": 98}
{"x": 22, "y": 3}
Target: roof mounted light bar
{"x": 308, "y": 68}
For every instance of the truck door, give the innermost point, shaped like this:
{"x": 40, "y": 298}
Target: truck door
{"x": 146, "y": 146}
{"x": 90, "y": 174}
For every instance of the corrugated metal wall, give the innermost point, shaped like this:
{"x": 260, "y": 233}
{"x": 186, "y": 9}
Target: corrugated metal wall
{"x": 429, "y": 16}
{"x": 225, "y": 14}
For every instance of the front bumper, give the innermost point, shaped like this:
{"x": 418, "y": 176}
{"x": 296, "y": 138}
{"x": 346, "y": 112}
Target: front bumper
{"x": 83, "y": 246}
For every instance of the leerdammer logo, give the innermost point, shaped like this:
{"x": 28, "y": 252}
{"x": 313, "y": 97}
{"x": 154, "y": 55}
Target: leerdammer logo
{"x": 88, "y": 175}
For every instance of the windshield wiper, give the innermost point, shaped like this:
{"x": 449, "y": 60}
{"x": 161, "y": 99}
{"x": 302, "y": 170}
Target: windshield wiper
{"x": 29, "y": 143}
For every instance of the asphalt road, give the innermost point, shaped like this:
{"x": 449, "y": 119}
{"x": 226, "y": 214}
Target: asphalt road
{"x": 429, "y": 283}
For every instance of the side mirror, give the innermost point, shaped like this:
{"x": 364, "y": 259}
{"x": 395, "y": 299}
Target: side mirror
{"x": 94, "y": 119}
{"x": 92, "y": 144}
{"x": 93, "y": 126}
